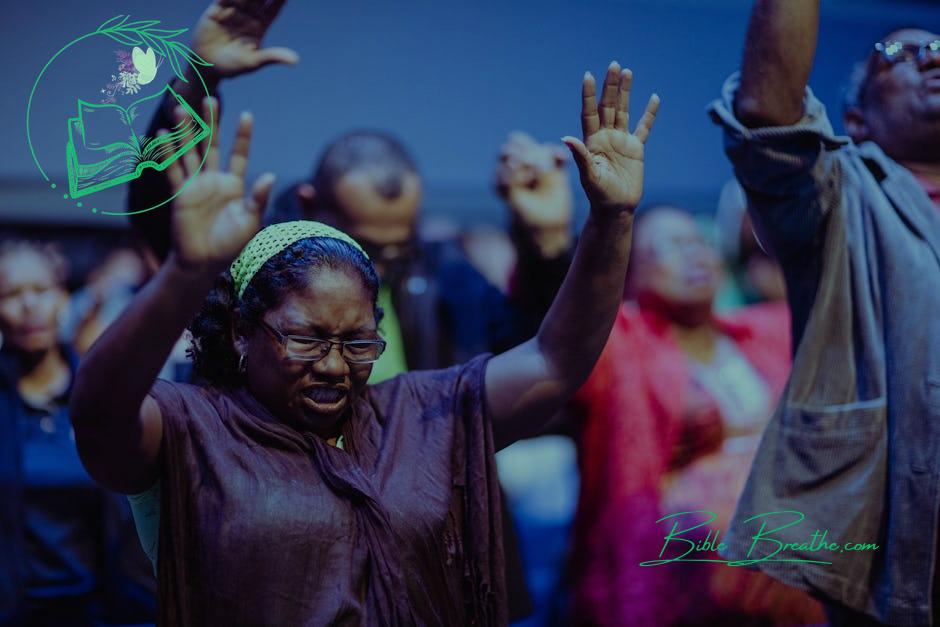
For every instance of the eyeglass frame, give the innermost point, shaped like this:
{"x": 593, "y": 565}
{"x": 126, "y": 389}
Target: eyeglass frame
{"x": 284, "y": 337}
{"x": 883, "y": 46}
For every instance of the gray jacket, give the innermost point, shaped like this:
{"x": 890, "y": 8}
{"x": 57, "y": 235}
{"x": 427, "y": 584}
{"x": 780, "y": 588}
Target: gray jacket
{"x": 853, "y": 445}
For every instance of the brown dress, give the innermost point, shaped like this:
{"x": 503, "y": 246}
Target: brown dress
{"x": 264, "y": 525}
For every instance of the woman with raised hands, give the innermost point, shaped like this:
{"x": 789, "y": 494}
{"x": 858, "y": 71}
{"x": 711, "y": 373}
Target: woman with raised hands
{"x": 286, "y": 490}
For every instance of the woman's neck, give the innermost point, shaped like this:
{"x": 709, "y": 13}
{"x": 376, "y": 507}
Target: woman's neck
{"x": 697, "y": 341}
{"x": 43, "y": 376}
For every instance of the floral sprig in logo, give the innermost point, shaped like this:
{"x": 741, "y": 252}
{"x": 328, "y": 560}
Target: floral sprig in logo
{"x": 125, "y": 81}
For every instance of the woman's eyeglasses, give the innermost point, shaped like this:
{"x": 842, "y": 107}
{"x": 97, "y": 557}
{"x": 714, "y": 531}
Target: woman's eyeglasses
{"x": 303, "y": 348}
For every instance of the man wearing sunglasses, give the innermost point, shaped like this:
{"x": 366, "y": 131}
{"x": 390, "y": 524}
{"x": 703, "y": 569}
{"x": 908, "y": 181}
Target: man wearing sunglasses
{"x": 853, "y": 450}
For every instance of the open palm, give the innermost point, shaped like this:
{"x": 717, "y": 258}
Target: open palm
{"x": 610, "y": 159}
{"x": 229, "y": 34}
{"x": 212, "y": 218}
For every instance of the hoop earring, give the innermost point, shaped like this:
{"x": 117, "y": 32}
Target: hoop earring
{"x": 241, "y": 362}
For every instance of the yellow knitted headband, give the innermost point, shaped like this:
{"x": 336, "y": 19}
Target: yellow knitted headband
{"x": 275, "y": 238}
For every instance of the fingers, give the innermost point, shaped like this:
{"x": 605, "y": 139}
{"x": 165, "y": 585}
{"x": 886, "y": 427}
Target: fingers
{"x": 622, "y": 119}
{"x": 267, "y": 56}
{"x": 265, "y": 10}
{"x": 590, "y": 122}
{"x": 522, "y": 150}
{"x": 518, "y": 141}
{"x": 609, "y": 95}
{"x": 238, "y": 162}
{"x": 210, "y": 112}
{"x": 582, "y": 158}
{"x": 645, "y": 125}
{"x": 191, "y": 155}
{"x": 518, "y": 146}
{"x": 524, "y": 161}
{"x": 174, "y": 171}
{"x": 260, "y": 192}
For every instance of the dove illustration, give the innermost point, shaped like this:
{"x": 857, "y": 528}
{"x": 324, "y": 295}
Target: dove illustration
{"x": 145, "y": 63}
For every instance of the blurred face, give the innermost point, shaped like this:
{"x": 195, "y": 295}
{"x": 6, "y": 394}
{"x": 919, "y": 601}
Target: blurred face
{"x": 676, "y": 266}
{"x": 903, "y": 99}
{"x": 30, "y": 302}
{"x": 379, "y": 208}
{"x": 312, "y": 395}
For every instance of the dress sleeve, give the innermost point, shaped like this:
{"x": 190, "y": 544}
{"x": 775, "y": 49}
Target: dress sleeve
{"x": 458, "y": 395}
{"x": 168, "y": 398}
{"x": 791, "y": 174}
{"x": 178, "y": 403}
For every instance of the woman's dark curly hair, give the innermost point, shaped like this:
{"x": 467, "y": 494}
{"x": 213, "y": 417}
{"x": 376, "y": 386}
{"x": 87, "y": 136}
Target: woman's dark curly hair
{"x": 215, "y": 359}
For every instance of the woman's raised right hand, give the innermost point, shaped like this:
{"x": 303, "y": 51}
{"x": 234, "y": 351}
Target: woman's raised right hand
{"x": 212, "y": 218}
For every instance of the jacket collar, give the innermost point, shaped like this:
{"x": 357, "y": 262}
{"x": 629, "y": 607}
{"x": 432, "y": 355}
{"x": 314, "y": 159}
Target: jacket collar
{"x": 906, "y": 193}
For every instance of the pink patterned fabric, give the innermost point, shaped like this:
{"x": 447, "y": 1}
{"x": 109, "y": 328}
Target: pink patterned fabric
{"x": 632, "y": 409}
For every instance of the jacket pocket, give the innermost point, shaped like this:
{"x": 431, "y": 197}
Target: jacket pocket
{"x": 838, "y": 447}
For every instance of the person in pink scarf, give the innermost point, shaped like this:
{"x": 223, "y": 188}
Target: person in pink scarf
{"x": 670, "y": 418}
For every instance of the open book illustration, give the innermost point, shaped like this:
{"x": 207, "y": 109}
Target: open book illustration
{"x": 104, "y": 149}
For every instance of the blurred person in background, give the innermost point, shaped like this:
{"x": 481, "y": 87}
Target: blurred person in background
{"x": 109, "y": 288}
{"x": 490, "y": 250}
{"x": 670, "y": 420}
{"x": 752, "y": 275}
{"x": 855, "y": 224}
{"x": 68, "y": 555}
{"x": 539, "y": 475}
{"x": 443, "y": 309}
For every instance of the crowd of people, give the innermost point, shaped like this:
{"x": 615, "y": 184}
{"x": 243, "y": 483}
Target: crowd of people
{"x": 512, "y": 421}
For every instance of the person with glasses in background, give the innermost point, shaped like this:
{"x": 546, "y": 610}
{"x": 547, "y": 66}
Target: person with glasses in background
{"x": 855, "y": 223}
{"x": 284, "y": 490}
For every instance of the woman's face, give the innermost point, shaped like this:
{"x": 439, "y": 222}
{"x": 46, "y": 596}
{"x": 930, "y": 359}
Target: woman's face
{"x": 312, "y": 396}
{"x": 31, "y": 299}
{"x": 677, "y": 265}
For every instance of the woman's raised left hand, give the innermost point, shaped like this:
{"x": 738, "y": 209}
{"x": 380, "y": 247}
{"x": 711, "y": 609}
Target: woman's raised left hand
{"x": 610, "y": 158}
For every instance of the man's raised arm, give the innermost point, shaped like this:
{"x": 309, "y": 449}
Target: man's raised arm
{"x": 778, "y": 57}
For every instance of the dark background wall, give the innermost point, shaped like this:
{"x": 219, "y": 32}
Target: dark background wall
{"x": 451, "y": 78}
